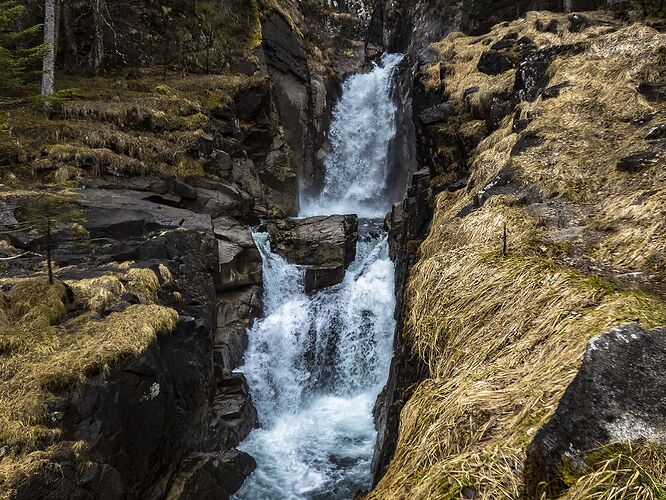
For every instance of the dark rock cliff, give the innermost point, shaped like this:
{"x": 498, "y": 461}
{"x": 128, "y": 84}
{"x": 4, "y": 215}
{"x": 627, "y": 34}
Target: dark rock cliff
{"x": 615, "y": 398}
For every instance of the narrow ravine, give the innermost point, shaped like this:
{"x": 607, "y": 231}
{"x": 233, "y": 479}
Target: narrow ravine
{"x": 316, "y": 362}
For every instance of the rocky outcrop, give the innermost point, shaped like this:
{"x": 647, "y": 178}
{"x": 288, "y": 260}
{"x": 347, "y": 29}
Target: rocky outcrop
{"x": 479, "y": 126}
{"x": 211, "y": 475}
{"x": 238, "y": 257}
{"x": 324, "y": 246}
{"x": 616, "y": 397}
{"x": 179, "y": 397}
{"x": 406, "y": 224}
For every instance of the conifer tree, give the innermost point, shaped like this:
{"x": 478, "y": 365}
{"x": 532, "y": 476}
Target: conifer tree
{"x": 44, "y": 215}
{"x": 17, "y": 55}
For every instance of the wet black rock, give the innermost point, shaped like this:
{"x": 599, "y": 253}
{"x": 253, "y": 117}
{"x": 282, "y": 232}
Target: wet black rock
{"x": 656, "y": 132}
{"x": 495, "y": 63}
{"x": 653, "y": 91}
{"x": 532, "y": 75}
{"x": 211, "y": 475}
{"x": 616, "y": 397}
{"x": 637, "y": 162}
{"x": 326, "y": 245}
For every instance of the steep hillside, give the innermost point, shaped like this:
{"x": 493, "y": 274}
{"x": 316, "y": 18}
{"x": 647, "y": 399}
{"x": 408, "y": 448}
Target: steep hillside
{"x": 544, "y": 142}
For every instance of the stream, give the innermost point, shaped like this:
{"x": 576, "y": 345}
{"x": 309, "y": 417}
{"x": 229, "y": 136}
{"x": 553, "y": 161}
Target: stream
{"x": 316, "y": 362}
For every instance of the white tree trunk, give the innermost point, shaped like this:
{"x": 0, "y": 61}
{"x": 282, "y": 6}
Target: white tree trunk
{"x": 48, "y": 77}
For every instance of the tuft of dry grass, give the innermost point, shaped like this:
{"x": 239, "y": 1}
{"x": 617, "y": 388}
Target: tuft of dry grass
{"x": 46, "y": 354}
{"x": 623, "y": 472}
{"x": 504, "y": 336}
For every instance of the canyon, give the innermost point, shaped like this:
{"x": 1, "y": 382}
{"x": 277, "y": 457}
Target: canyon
{"x": 338, "y": 249}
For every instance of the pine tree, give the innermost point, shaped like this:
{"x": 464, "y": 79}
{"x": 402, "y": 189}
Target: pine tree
{"x": 45, "y": 215}
{"x": 17, "y": 57}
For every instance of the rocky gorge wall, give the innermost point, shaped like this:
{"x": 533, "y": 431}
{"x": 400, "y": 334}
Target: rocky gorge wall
{"x": 167, "y": 157}
{"x": 477, "y": 108}
{"x": 512, "y": 247}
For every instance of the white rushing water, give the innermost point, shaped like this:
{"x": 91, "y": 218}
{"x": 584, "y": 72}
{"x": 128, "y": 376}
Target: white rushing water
{"x": 315, "y": 366}
{"x": 316, "y": 362}
{"x": 362, "y": 128}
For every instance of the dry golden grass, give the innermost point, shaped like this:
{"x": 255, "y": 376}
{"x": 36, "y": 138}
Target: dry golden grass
{"x": 504, "y": 336}
{"x": 44, "y": 354}
{"x": 143, "y": 126}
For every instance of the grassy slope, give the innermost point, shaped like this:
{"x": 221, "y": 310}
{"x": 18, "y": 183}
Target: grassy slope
{"x": 46, "y": 352}
{"x": 504, "y": 336}
{"x": 140, "y": 120}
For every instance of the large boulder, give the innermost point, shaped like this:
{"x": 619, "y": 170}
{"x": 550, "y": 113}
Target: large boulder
{"x": 236, "y": 311}
{"x": 617, "y": 397}
{"x": 211, "y": 475}
{"x": 324, "y": 245}
{"x": 122, "y": 214}
{"x": 239, "y": 259}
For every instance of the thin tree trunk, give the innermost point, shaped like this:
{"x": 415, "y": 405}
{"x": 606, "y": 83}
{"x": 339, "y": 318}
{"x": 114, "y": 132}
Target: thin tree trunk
{"x": 56, "y": 24}
{"x": 48, "y": 77}
{"x": 71, "y": 57}
{"x": 48, "y": 250}
{"x": 97, "y": 51}
{"x": 504, "y": 245}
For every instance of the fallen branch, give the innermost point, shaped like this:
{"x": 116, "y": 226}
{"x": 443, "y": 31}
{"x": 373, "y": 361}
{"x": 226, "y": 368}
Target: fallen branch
{"x": 21, "y": 255}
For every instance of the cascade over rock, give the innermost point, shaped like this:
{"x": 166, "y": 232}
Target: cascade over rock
{"x": 325, "y": 245}
{"x": 319, "y": 356}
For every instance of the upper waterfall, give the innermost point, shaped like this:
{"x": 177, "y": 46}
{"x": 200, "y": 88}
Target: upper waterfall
{"x": 362, "y": 128}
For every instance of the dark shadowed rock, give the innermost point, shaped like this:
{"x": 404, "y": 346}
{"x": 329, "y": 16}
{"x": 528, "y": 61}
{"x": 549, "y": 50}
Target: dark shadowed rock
{"x": 231, "y": 416}
{"x": 526, "y": 141}
{"x": 656, "y": 132}
{"x": 239, "y": 259}
{"x": 435, "y": 114}
{"x": 494, "y": 63}
{"x": 551, "y": 27}
{"x": 327, "y": 245}
{"x": 236, "y": 310}
{"x": 579, "y": 22}
{"x": 532, "y": 75}
{"x": 637, "y": 162}
{"x": 211, "y": 475}
{"x": 554, "y": 91}
{"x": 317, "y": 278}
{"x": 653, "y": 91}
{"x": 617, "y": 397}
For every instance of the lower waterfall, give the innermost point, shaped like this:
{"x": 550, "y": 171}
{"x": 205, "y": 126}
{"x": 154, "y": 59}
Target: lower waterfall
{"x": 316, "y": 362}
{"x": 315, "y": 366}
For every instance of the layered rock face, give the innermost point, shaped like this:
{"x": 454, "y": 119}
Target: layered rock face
{"x": 152, "y": 418}
{"x": 325, "y": 246}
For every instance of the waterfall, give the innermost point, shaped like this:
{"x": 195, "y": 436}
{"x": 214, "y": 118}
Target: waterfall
{"x": 362, "y": 128}
{"x": 316, "y": 362}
